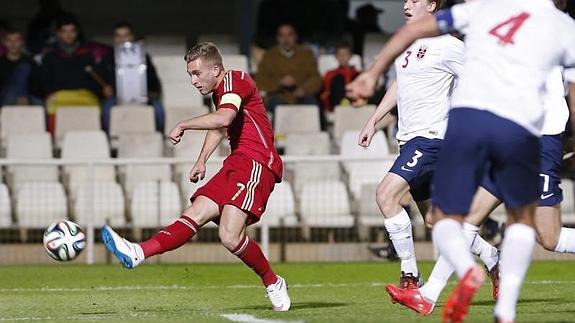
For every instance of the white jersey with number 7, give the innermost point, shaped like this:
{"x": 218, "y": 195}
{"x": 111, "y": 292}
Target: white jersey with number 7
{"x": 511, "y": 46}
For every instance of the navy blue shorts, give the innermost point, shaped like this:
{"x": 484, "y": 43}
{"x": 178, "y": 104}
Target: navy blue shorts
{"x": 416, "y": 164}
{"x": 549, "y": 179}
{"x": 479, "y": 142}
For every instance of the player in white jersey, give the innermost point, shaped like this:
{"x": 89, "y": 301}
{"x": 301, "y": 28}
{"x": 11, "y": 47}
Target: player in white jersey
{"x": 426, "y": 74}
{"x": 493, "y": 126}
{"x": 550, "y": 234}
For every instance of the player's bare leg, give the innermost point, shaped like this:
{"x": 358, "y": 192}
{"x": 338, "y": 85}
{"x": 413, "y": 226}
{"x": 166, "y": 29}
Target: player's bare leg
{"x": 171, "y": 237}
{"x": 516, "y": 251}
{"x": 232, "y": 233}
{"x": 390, "y": 192}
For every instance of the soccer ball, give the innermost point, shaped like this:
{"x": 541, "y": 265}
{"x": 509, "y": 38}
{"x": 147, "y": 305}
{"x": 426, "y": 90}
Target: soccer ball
{"x": 64, "y": 240}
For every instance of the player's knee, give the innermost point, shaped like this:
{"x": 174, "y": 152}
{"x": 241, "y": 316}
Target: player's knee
{"x": 547, "y": 242}
{"x": 229, "y": 238}
{"x": 387, "y": 201}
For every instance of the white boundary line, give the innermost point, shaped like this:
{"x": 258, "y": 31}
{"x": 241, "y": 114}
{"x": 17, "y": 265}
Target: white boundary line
{"x": 180, "y": 287}
{"x": 252, "y": 319}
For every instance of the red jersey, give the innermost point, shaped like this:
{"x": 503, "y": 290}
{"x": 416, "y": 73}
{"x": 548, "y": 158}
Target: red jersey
{"x": 251, "y": 132}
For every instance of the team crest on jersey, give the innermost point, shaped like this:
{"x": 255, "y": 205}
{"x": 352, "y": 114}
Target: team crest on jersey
{"x": 421, "y": 52}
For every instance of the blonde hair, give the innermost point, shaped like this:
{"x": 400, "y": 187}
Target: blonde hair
{"x": 206, "y": 51}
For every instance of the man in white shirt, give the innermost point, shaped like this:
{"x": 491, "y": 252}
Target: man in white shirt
{"x": 494, "y": 126}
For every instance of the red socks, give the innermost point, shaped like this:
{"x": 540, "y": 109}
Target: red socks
{"x": 251, "y": 254}
{"x": 171, "y": 237}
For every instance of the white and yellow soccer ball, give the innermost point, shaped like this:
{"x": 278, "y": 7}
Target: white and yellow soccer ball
{"x": 64, "y": 240}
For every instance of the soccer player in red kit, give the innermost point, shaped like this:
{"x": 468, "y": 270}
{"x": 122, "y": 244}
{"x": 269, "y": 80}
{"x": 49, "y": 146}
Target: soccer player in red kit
{"x": 237, "y": 195}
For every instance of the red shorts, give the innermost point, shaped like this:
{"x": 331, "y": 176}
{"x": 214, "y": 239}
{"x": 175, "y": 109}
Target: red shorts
{"x": 243, "y": 183}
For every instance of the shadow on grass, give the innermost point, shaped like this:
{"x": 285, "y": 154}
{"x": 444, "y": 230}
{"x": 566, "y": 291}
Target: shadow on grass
{"x": 295, "y": 306}
{"x": 523, "y": 301}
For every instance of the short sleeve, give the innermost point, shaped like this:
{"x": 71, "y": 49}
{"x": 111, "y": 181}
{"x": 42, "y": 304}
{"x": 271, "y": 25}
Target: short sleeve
{"x": 452, "y": 56}
{"x": 457, "y": 17}
{"x": 237, "y": 89}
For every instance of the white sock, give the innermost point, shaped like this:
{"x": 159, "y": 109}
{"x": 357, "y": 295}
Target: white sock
{"x": 400, "y": 233}
{"x": 479, "y": 247}
{"x": 437, "y": 280}
{"x": 516, "y": 251}
{"x": 448, "y": 238}
{"x": 566, "y": 242}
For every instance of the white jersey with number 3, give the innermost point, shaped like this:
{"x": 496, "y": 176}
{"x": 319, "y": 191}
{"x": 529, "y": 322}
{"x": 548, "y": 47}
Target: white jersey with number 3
{"x": 511, "y": 46}
{"x": 426, "y": 74}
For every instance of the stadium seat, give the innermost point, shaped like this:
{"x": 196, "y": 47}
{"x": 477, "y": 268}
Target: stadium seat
{"x": 305, "y": 172}
{"x": 5, "y": 207}
{"x": 75, "y": 147}
{"x": 372, "y": 46}
{"x": 189, "y": 148}
{"x": 313, "y": 143}
{"x": 188, "y": 188}
{"x": 176, "y": 114}
{"x": 361, "y": 173}
{"x": 325, "y": 204}
{"x": 176, "y": 84}
{"x": 76, "y": 118}
{"x": 39, "y": 204}
{"x": 296, "y": 118}
{"x": 165, "y": 45}
{"x": 351, "y": 150}
{"x": 140, "y": 145}
{"x": 349, "y": 118}
{"x": 227, "y": 43}
{"x": 136, "y": 174}
{"x": 236, "y": 62}
{"x": 103, "y": 202}
{"x": 21, "y": 119}
{"x": 127, "y": 119}
{"x": 568, "y": 204}
{"x": 155, "y": 204}
{"x": 369, "y": 213}
{"x": 328, "y": 62}
{"x": 280, "y": 209}
{"x": 33, "y": 146}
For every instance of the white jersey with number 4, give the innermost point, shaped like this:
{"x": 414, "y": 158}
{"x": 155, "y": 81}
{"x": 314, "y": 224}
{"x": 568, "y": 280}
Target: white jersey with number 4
{"x": 511, "y": 46}
{"x": 426, "y": 74}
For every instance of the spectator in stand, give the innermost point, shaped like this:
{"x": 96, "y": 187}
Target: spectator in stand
{"x": 68, "y": 70}
{"x": 335, "y": 80}
{"x": 124, "y": 32}
{"x": 288, "y": 72}
{"x": 20, "y": 80}
{"x": 366, "y": 21}
{"x": 40, "y": 32}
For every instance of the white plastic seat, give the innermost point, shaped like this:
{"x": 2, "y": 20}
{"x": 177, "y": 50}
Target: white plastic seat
{"x": 103, "y": 202}
{"x": 33, "y": 146}
{"x": 137, "y": 174}
{"x": 327, "y": 62}
{"x": 189, "y": 148}
{"x": 5, "y": 207}
{"x": 280, "y": 208}
{"x": 176, "y": 114}
{"x": 176, "y": 85}
{"x": 40, "y": 204}
{"x": 349, "y": 118}
{"x": 126, "y": 119}
{"x": 313, "y": 143}
{"x": 372, "y": 46}
{"x": 349, "y": 148}
{"x": 155, "y": 204}
{"x": 141, "y": 145}
{"x": 21, "y": 119}
{"x": 325, "y": 205}
{"x": 236, "y": 62}
{"x": 188, "y": 188}
{"x": 361, "y": 173}
{"x": 76, "y": 118}
{"x": 305, "y": 172}
{"x": 369, "y": 213}
{"x": 296, "y": 118}
{"x": 86, "y": 145}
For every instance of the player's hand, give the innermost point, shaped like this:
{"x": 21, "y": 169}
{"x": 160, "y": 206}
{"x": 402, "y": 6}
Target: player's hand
{"x": 108, "y": 91}
{"x": 176, "y": 135}
{"x": 366, "y": 134}
{"x": 362, "y": 87}
{"x": 198, "y": 172}
{"x": 287, "y": 81}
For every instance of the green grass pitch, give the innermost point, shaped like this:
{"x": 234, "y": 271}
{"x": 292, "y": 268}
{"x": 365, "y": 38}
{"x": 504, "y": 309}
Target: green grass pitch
{"x": 326, "y": 292}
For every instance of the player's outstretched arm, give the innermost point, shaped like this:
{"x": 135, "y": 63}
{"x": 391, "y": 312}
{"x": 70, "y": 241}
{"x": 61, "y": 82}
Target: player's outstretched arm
{"x": 221, "y": 118}
{"x": 211, "y": 142}
{"x": 364, "y": 85}
{"x": 387, "y": 103}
